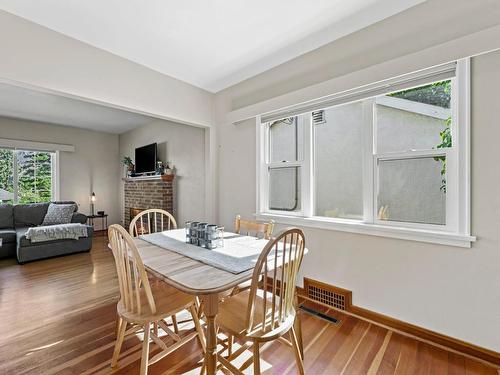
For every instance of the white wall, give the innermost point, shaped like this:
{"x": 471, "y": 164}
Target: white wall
{"x": 40, "y": 57}
{"x": 184, "y": 147}
{"x": 439, "y": 21}
{"x": 94, "y": 166}
{"x": 446, "y": 289}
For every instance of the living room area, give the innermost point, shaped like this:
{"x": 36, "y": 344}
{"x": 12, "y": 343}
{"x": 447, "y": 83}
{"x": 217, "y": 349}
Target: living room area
{"x": 44, "y": 161}
{"x": 66, "y": 175}
{"x": 203, "y": 188}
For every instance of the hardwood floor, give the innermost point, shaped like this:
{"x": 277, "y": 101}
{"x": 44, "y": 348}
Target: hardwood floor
{"x": 57, "y": 317}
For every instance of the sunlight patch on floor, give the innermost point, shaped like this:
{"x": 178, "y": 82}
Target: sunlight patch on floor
{"x": 44, "y": 347}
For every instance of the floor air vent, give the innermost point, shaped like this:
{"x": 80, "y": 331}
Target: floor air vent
{"x": 328, "y": 295}
{"x": 320, "y": 315}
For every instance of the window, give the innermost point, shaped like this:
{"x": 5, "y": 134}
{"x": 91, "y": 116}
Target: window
{"x": 338, "y": 162}
{"x": 387, "y": 159}
{"x": 412, "y": 147}
{"x": 285, "y": 162}
{"x": 27, "y": 176}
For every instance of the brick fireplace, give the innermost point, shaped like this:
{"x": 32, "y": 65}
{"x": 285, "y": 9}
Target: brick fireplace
{"x": 142, "y": 193}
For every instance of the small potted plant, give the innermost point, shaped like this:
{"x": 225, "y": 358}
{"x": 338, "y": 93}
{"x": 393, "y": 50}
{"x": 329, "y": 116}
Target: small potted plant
{"x": 127, "y": 161}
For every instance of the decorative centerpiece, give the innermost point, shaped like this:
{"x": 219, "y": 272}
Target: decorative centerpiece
{"x": 168, "y": 170}
{"x": 208, "y": 236}
{"x": 160, "y": 168}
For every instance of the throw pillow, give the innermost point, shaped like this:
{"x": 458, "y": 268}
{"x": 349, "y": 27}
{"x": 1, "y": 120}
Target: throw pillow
{"x": 67, "y": 202}
{"x": 59, "y": 214}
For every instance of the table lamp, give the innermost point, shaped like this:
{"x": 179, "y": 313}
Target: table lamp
{"x": 92, "y": 201}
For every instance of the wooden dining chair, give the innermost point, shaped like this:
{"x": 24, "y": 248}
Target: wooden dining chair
{"x": 266, "y": 312}
{"x": 151, "y": 221}
{"x": 253, "y": 228}
{"x": 144, "y": 306}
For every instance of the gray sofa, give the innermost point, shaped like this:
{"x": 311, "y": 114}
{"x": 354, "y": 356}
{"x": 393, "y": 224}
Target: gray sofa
{"x": 15, "y": 221}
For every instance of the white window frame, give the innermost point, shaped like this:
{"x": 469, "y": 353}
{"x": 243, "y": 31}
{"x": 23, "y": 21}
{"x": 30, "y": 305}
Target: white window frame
{"x": 456, "y": 232}
{"x": 303, "y": 163}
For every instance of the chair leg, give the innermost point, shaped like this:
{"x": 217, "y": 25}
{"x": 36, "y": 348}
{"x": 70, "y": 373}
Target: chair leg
{"x": 199, "y": 329}
{"x": 174, "y": 323}
{"x": 145, "y": 350}
{"x": 119, "y": 341}
{"x": 296, "y": 351}
{"x": 118, "y": 324}
{"x": 256, "y": 358}
{"x": 199, "y": 308}
{"x": 230, "y": 340}
{"x": 297, "y": 325}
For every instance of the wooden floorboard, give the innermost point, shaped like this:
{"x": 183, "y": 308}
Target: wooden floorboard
{"x": 57, "y": 317}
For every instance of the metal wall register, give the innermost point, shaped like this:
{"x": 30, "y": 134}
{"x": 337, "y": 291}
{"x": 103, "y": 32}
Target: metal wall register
{"x": 209, "y": 236}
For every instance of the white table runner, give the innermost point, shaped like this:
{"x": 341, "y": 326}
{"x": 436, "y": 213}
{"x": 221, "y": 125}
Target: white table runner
{"x": 239, "y": 254}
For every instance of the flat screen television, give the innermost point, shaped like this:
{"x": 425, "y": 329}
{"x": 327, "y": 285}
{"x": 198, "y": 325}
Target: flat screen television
{"x": 145, "y": 158}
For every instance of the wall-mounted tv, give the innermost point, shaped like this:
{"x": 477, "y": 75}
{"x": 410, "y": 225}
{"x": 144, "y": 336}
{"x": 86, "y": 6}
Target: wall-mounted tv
{"x": 145, "y": 158}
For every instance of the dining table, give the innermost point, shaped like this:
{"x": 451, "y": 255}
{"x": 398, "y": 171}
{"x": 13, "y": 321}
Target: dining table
{"x": 202, "y": 279}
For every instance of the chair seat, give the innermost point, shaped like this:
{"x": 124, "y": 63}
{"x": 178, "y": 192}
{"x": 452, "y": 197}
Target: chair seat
{"x": 168, "y": 300}
{"x": 233, "y": 311}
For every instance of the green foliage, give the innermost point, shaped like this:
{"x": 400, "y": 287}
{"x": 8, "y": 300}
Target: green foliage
{"x": 6, "y": 177}
{"x": 445, "y": 136}
{"x": 438, "y": 94}
{"x": 34, "y": 172}
{"x": 127, "y": 161}
{"x": 34, "y": 176}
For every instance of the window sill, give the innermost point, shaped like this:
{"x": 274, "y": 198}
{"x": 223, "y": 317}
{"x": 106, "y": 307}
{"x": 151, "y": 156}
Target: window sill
{"x": 354, "y": 226}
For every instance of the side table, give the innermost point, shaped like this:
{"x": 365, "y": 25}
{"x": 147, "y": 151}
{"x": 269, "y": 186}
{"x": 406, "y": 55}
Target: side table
{"x": 104, "y": 222}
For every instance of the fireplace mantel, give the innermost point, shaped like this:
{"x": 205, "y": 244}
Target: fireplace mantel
{"x": 147, "y": 192}
{"x": 164, "y": 177}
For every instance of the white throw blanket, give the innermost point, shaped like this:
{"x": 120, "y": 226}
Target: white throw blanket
{"x": 72, "y": 231}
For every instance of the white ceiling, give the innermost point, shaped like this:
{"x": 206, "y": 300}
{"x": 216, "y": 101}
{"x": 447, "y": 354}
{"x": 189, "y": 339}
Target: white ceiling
{"x": 26, "y": 104}
{"x": 210, "y": 44}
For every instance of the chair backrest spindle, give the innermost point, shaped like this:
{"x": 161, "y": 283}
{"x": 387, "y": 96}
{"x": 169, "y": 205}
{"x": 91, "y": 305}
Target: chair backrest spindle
{"x": 253, "y": 228}
{"x": 279, "y": 261}
{"x": 132, "y": 278}
{"x": 141, "y": 224}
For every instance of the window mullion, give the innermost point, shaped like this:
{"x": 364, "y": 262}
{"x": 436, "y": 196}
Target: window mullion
{"x": 284, "y": 164}
{"x": 15, "y": 181}
{"x": 412, "y": 154}
{"x": 307, "y": 175}
{"x": 461, "y": 144}
{"x": 54, "y": 158}
{"x": 369, "y": 142}
{"x": 262, "y": 184}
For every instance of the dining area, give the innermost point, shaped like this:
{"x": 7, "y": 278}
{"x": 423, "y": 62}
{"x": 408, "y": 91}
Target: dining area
{"x": 237, "y": 287}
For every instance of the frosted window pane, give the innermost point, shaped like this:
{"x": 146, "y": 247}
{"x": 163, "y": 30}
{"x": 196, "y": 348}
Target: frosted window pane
{"x": 338, "y": 162}
{"x": 412, "y": 190}
{"x": 284, "y": 189}
{"x": 286, "y": 140}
